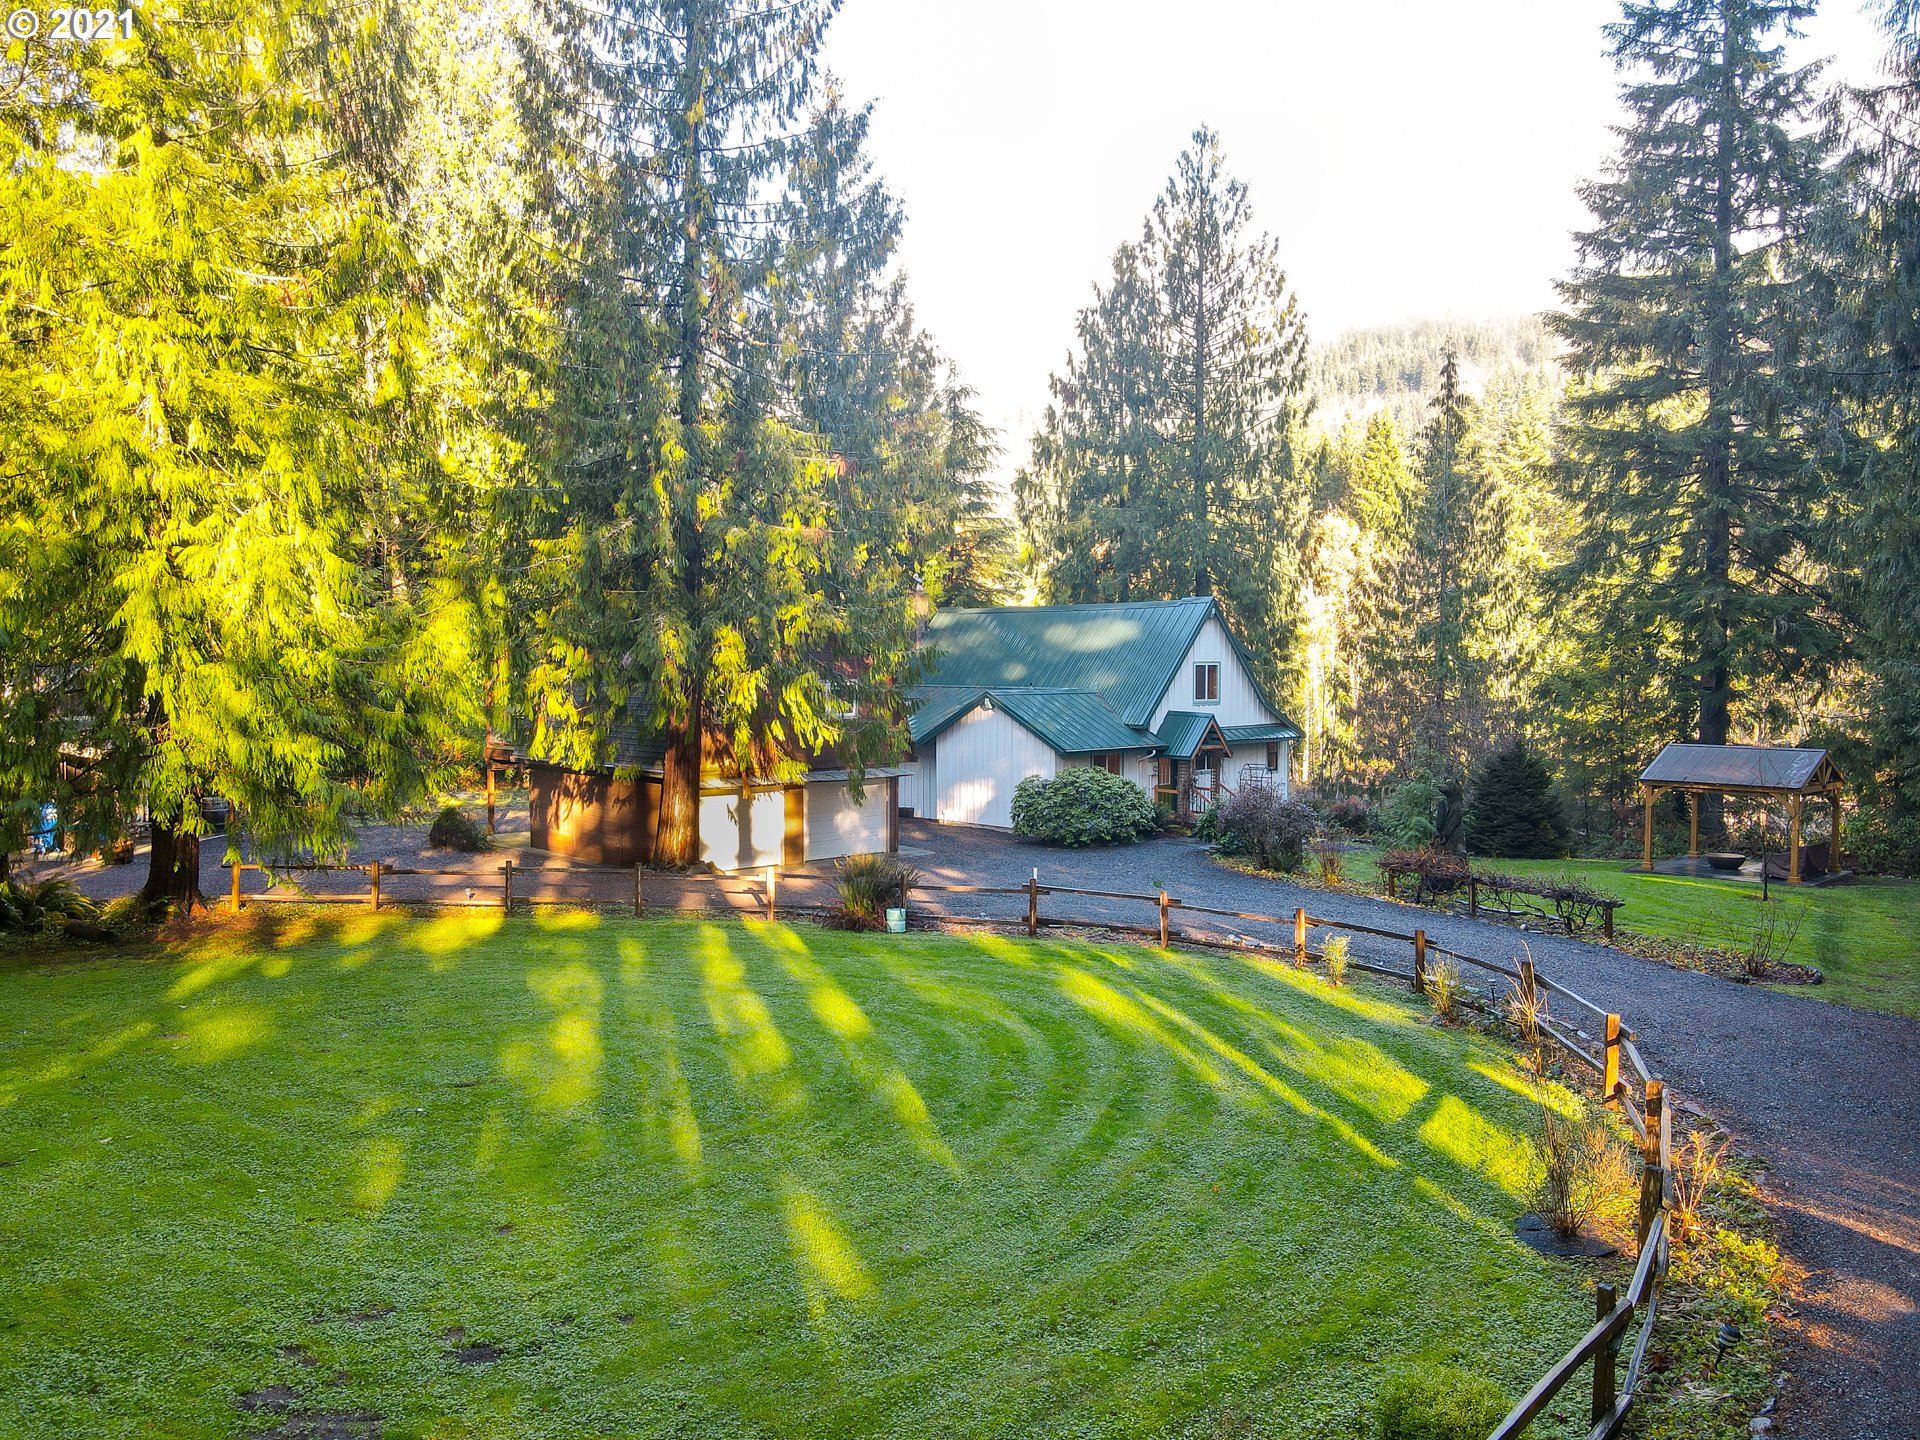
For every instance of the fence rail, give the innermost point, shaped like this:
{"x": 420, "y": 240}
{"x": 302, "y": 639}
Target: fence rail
{"x": 1646, "y": 1113}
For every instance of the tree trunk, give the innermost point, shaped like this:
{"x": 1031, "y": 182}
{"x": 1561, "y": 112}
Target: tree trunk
{"x": 173, "y": 870}
{"x": 676, "y": 839}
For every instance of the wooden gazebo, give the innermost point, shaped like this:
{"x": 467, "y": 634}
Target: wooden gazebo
{"x": 1793, "y": 777}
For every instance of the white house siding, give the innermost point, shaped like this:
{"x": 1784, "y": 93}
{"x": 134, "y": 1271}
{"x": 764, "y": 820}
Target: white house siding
{"x": 837, "y": 826}
{"x": 1256, "y": 755}
{"x": 743, "y": 834}
{"x": 1239, "y": 703}
{"x": 919, "y": 790}
{"x": 982, "y": 757}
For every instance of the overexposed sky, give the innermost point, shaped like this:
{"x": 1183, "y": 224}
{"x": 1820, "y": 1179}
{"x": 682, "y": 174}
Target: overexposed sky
{"x": 1414, "y": 158}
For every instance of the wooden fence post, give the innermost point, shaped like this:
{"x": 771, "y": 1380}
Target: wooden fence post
{"x": 1653, "y": 1180}
{"x": 1163, "y": 919}
{"x": 1391, "y": 893}
{"x": 506, "y": 887}
{"x": 772, "y": 880}
{"x": 639, "y": 893}
{"x": 1610, "y": 1081}
{"x": 1605, "y": 1385}
{"x": 1606, "y": 924}
{"x": 1473, "y": 897}
{"x": 1419, "y": 962}
{"x": 237, "y": 902}
{"x": 1033, "y": 903}
{"x": 373, "y": 891}
{"x": 1300, "y": 938}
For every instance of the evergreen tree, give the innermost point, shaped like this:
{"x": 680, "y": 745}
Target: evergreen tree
{"x": 208, "y": 319}
{"x": 1515, "y": 810}
{"x": 1866, "y": 291}
{"x": 1165, "y": 466}
{"x": 1696, "y": 496}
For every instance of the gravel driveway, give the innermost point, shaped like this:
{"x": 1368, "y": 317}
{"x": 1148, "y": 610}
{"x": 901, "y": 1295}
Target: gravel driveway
{"x": 1825, "y": 1094}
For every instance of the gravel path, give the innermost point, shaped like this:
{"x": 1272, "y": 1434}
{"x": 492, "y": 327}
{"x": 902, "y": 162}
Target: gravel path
{"x": 1825, "y": 1094}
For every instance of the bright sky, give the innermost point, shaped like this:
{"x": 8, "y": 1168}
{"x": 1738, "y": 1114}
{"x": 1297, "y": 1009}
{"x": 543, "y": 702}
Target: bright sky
{"x": 1414, "y": 159}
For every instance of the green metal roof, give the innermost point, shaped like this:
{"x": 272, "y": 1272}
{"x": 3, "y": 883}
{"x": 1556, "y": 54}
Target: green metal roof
{"x": 1252, "y": 734}
{"x": 1182, "y": 732}
{"x": 1074, "y": 722}
{"x": 940, "y": 706}
{"x": 1125, "y": 652}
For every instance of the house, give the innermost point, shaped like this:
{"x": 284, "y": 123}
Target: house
{"x": 608, "y": 815}
{"x": 1158, "y": 691}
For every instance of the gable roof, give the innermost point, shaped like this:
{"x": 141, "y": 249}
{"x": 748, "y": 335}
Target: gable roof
{"x": 1185, "y": 732}
{"x": 1741, "y": 767}
{"x": 1127, "y": 653}
{"x": 1073, "y": 722}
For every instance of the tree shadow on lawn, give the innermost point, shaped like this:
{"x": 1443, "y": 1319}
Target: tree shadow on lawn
{"x": 762, "y": 1174}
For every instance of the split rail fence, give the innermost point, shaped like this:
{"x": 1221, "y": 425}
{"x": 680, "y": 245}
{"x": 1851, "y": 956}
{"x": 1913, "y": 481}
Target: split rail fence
{"x": 1625, "y": 1082}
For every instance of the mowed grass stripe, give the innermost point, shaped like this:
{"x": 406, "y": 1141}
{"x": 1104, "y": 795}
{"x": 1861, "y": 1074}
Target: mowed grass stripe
{"x": 743, "y": 1179}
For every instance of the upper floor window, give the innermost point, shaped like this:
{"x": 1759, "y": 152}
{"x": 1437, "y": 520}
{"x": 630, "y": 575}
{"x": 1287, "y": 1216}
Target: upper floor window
{"x": 1206, "y": 682}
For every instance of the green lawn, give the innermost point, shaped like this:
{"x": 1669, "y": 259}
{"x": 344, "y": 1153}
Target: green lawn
{"x": 1865, "y": 937}
{"x": 741, "y": 1180}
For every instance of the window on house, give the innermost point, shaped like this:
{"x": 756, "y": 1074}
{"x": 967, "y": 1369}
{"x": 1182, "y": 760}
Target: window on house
{"x": 1112, "y": 762}
{"x": 1206, "y": 682}
{"x": 1273, "y": 756}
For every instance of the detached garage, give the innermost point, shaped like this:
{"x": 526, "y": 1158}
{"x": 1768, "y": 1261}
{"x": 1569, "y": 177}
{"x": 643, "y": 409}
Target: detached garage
{"x": 608, "y": 816}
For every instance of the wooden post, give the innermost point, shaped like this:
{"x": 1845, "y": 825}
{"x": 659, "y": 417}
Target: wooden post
{"x": 1793, "y": 840}
{"x": 1605, "y": 1385}
{"x": 1833, "y": 799}
{"x": 1392, "y": 892}
{"x": 1693, "y": 823}
{"x": 489, "y": 797}
{"x": 1419, "y": 962}
{"x": 237, "y": 902}
{"x": 639, "y": 893}
{"x": 1610, "y": 1082}
{"x": 1163, "y": 919}
{"x": 373, "y": 891}
{"x": 1606, "y": 921}
{"x": 1646, "y": 829}
{"x": 772, "y": 881}
{"x": 1299, "y": 937}
{"x": 1653, "y": 1187}
{"x": 1473, "y": 897}
{"x": 1033, "y": 904}
{"x": 506, "y": 887}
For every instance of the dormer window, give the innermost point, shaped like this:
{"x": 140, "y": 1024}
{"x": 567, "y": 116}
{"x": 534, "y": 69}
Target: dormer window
{"x": 1206, "y": 682}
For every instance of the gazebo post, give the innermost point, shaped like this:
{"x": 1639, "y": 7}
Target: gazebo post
{"x": 1793, "y": 839}
{"x": 1833, "y": 799}
{"x": 1646, "y": 844}
{"x": 1693, "y": 820}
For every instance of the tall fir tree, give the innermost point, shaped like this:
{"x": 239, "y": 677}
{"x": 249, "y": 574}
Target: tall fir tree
{"x": 1165, "y": 466}
{"x": 1696, "y": 495}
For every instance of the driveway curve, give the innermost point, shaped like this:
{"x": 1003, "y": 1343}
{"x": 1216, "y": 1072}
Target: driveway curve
{"x": 1824, "y": 1094}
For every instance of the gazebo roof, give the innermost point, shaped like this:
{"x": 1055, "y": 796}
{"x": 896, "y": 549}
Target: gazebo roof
{"x": 1741, "y": 767}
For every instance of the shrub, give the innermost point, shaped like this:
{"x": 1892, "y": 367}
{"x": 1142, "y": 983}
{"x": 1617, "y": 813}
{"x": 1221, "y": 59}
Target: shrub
{"x": 1405, "y": 817}
{"x": 1271, "y": 831}
{"x": 1516, "y": 809}
{"x": 1352, "y": 815}
{"x": 867, "y": 885}
{"x": 1581, "y": 1164}
{"x": 1336, "y": 956}
{"x": 1444, "y": 984}
{"x": 1082, "y": 806}
{"x": 1332, "y": 861}
{"x": 453, "y": 829}
{"x": 129, "y": 912}
{"x": 1440, "y": 1402}
{"x": 29, "y": 906}
{"x": 1881, "y": 842}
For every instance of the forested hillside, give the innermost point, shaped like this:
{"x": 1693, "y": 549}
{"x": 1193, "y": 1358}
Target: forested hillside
{"x": 1397, "y": 367}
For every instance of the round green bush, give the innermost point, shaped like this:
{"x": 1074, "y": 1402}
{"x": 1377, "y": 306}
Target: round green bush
{"x": 1405, "y": 818}
{"x": 1440, "y": 1402}
{"x": 453, "y": 829}
{"x": 1082, "y": 806}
